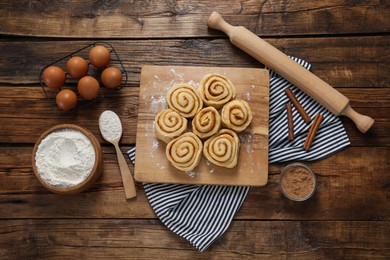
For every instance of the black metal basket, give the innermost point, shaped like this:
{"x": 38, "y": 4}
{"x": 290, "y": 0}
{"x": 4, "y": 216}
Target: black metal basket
{"x": 71, "y": 83}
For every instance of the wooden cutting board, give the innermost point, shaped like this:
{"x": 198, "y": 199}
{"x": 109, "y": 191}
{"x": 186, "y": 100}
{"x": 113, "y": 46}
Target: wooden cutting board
{"x": 151, "y": 164}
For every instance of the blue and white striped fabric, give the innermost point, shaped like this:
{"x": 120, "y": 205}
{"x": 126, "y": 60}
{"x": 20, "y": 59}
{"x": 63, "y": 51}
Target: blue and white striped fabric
{"x": 202, "y": 213}
{"x": 330, "y": 137}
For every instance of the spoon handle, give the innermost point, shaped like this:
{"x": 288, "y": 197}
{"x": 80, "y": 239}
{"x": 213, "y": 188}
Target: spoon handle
{"x": 127, "y": 178}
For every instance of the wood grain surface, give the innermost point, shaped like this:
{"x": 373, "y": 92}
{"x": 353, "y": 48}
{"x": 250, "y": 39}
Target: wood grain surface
{"x": 346, "y": 41}
{"x": 162, "y": 19}
{"x": 105, "y": 238}
{"x": 356, "y": 61}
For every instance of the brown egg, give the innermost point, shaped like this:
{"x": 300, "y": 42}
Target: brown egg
{"x": 77, "y": 67}
{"x": 99, "y": 56}
{"x": 111, "y": 77}
{"x": 66, "y": 99}
{"x": 88, "y": 87}
{"x": 54, "y": 77}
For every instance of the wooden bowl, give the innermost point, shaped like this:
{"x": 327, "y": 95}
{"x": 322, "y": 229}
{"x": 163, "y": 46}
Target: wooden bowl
{"x": 92, "y": 177}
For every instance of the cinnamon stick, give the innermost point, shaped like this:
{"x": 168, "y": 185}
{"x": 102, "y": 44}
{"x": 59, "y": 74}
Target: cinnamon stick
{"x": 312, "y": 132}
{"x": 296, "y": 103}
{"x": 290, "y": 122}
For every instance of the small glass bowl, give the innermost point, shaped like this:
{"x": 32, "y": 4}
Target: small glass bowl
{"x": 297, "y": 182}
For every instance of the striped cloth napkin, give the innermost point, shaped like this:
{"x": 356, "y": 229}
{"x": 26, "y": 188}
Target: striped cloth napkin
{"x": 202, "y": 213}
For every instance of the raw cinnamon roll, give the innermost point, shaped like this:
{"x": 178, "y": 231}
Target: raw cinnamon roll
{"x": 185, "y": 151}
{"x": 236, "y": 115}
{"x": 216, "y": 90}
{"x": 169, "y": 125}
{"x": 184, "y": 99}
{"x": 206, "y": 123}
{"x": 222, "y": 149}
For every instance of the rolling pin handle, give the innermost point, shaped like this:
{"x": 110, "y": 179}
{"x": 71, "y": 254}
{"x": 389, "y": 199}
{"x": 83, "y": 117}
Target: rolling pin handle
{"x": 216, "y": 21}
{"x": 363, "y": 123}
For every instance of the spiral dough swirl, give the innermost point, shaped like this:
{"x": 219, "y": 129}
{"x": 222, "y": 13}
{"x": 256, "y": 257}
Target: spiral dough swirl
{"x": 236, "y": 115}
{"x": 169, "y": 125}
{"x": 184, "y": 99}
{"x": 222, "y": 149}
{"x": 216, "y": 90}
{"x": 206, "y": 123}
{"x": 185, "y": 151}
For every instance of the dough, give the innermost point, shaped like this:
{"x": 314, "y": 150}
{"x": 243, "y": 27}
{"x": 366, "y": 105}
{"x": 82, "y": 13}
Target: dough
{"x": 206, "y": 123}
{"x": 223, "y": 148}
{"x": 184, "y": 99}
{"x": 169, "y": 125}
{"x": 185, "y": 151}
{"x": 236, "y": 115}
{"x": 216, "y": 90}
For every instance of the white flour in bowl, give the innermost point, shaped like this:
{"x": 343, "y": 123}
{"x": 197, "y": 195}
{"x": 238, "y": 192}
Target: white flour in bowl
{"x": 65, "y": 158}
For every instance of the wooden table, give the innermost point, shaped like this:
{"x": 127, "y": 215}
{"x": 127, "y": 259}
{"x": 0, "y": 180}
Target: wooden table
{"x": 348, "y": 44}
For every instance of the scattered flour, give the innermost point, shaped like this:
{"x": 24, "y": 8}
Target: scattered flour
{"x": 245, "y": 96}
{"x": 157, "y": 104}
{"x": 150, "y": 128}
{"x": 248, "y": 97}
{"x": 160, "y": 166}
{"x": 154, "y": 149}
{"x": 246, "y": 141}
{"x": 192, "y": 174}
{"x": 194, "y": 84}
{"x": 180, "y": 77}
{"x": 155, "y": 145}
{"x": 65, "y": 158}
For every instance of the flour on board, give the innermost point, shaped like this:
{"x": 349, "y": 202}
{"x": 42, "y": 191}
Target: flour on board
{"x": 157, "y": 102}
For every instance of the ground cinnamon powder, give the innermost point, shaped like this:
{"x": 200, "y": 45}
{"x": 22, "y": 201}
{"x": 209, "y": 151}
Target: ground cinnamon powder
{"x": 297, "y": 182}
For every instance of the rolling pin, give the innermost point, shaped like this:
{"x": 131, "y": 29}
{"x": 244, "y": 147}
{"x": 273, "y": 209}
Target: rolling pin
{"x": 305, "y": 80}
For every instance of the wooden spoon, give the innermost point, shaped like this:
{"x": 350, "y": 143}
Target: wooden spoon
{"x": 111, "y": 129}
